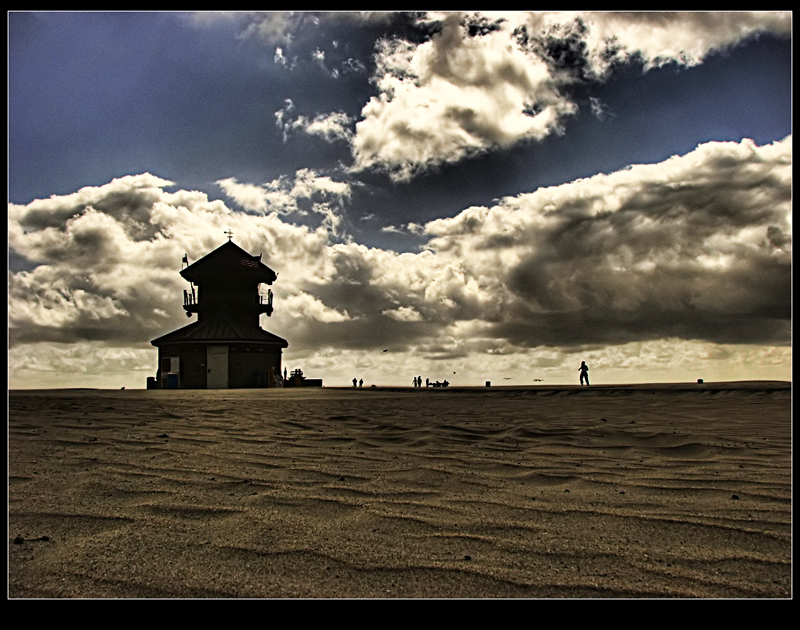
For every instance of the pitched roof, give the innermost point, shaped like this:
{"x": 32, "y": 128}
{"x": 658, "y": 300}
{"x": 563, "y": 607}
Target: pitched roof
{"x": 223, "y": 328}
{"x": 227, "y": 259}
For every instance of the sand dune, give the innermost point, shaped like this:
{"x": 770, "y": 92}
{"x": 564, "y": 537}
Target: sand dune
{"x": 637, "y": 491}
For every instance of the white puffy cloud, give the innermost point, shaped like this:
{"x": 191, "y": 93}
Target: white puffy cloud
{"x": 452, "y": 97}
{"x": 686, "y": 38}
{"x": 281, "y": 196}
{"x": 331, "y": 127}
{"x": 256, "y": 198}
{"x": 489, "y": 80}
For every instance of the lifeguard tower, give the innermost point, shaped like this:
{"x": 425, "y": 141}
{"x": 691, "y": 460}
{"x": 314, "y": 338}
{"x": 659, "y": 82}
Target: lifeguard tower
{"x": 226, "y": 347}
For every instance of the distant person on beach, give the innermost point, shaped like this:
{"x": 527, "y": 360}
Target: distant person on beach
{"x": 361, "y": 382}
{"x": 416, "y": 382}
{"x": 584, "y": 370}
{"x": 355, "y": 382}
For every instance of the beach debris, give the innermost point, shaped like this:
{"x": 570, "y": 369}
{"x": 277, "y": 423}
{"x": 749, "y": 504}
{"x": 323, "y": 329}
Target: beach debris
{"x": 735, "y": 497}
{"x": 19, "y": 540}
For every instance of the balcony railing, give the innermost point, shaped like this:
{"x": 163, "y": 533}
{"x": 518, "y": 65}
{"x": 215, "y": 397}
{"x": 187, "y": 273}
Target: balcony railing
{"x": 262, "y": 303}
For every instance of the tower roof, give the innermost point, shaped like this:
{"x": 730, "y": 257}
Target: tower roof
{"x": 227, "y": 260}
{"x": 220, "y": 327}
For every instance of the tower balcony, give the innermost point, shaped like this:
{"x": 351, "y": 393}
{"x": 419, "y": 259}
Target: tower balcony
{"x": 260, "y": 304}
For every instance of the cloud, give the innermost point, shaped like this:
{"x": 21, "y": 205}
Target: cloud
{"x": 679, "y": 249}
{"x": 460, "y": 84}
{"x": 686, "y": 38}
{"x": 452, "y": 97}
{"x": 598, "y": 109}
{"x": 256, "y": 198}
{"x": 285, "y": 196}
{"x": 695, "y": 249}
{"x": 330, "y": 126}
{"x": 404, "y": 314}
{"x": 487, "y": 81}
{"x": 97, "y": 276}
{"x": 273, "y": 27}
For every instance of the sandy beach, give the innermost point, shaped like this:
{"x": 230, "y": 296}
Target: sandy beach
{"x": 645, "y": 491}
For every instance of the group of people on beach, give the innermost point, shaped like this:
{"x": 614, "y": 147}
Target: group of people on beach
{"x": 418, "y": 382}
{"x": 583, "y": 369}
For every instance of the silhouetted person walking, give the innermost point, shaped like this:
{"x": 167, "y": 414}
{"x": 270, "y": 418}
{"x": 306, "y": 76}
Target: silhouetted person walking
{"x": 584, "y": 370}
{"x": 354, "y": 382}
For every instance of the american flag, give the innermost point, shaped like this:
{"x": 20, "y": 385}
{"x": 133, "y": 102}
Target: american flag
{"x": 249, "y": 263}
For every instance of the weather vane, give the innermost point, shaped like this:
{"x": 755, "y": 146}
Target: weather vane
{"x": 229, "y": 233}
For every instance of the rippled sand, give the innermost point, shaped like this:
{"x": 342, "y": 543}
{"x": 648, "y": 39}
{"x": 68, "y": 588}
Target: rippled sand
{"x": 639, "y": 491}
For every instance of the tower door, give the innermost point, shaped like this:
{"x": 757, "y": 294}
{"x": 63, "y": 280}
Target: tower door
{"x": 217, "y": 366}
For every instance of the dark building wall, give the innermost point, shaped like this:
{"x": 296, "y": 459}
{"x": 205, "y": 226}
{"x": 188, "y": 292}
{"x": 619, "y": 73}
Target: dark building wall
{"x": 192, "y": 363}
{"x": 248, "y": 364}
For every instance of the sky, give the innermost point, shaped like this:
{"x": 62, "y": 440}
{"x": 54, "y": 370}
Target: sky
{"x": 465, "y": 196}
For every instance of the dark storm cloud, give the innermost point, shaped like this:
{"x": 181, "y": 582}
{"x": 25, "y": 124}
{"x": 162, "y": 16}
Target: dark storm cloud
{"x": 697, "y": 247}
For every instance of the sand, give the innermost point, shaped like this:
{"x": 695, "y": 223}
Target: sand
{"x": 663, "y": 491}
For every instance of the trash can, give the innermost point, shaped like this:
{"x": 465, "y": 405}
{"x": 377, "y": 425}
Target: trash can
{"x": 172, "y": 381}
{"x": 488, "y": 383}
